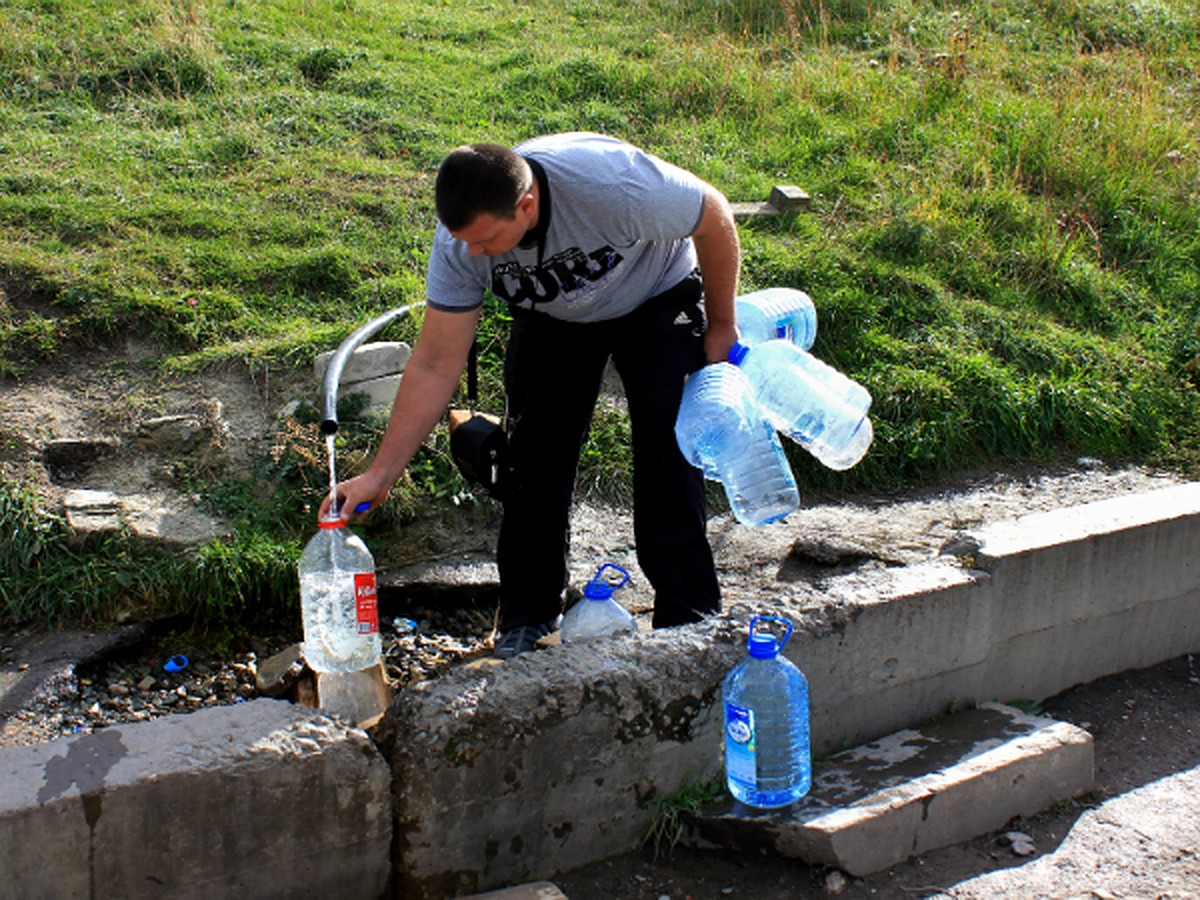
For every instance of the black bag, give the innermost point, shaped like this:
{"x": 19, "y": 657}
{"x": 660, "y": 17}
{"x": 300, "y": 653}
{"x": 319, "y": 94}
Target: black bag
{"x": 478, "y": 441}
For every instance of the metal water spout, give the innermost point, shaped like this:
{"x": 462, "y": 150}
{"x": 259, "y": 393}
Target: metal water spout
{"x": 333, "y": 375}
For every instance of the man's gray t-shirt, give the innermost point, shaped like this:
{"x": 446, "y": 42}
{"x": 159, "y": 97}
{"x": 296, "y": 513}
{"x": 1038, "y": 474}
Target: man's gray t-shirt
{"x": 619, "y": 221}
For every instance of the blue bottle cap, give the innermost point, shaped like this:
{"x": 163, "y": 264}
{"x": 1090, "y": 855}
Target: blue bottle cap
{"x": 763, "y": 646}
{"x": 738, "y": 352}
{"x": 176, "y": 663}
{"x": 600, "y": 588}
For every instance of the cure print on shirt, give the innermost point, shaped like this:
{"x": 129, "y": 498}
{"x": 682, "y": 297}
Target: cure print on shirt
{"x": 568, "y": 276}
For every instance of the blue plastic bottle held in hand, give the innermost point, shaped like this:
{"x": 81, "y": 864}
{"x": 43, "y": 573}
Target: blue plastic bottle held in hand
{"x": 768, "y": 762}
{"x": 810, "y": 401}
{"x": 721, "y": 430}
{"x": 777, "y": 312}
{"x": 338, "y": 603}
{"x": 598, "y": 614}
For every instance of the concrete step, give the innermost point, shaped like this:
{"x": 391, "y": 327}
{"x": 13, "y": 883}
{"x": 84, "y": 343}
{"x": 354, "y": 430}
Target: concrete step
{"x": 886, "y": 801}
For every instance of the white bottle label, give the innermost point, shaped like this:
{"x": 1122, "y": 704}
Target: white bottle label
{"x": 366, "y": 603}
{"x": 740, "y": 744}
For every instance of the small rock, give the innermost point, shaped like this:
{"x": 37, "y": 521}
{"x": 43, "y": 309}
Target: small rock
{"x": 147, "y": 683}
{"x": 1021, "y": 843}
{"x": 835, "y": 883}
{"x": 277, "y": 675}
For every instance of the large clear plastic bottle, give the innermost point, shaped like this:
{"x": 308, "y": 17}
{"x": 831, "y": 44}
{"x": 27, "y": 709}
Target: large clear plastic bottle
{"x": 338, "y": 602}
{"x": 777, "y": 312}
{"x": 598, "y": 614}
{"x": 721, "y": 429}
{"x": 768, "y": 760}
{"x": 809, "y": 400}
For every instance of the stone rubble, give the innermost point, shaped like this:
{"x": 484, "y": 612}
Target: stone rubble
{"x": 132, "y": 688}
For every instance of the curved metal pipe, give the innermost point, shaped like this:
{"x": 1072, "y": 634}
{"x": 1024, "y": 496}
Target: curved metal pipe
{"x": 333, "y": 375}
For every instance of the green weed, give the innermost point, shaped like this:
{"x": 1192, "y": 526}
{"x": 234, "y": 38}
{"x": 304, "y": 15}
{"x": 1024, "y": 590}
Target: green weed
{"x": 666, "y": 827}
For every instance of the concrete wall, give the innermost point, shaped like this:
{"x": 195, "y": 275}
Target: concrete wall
{"x": 262, "y": 799}
{"x": 508, "y": 773}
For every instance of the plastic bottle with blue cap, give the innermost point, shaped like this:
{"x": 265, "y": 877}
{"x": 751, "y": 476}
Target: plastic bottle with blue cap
{"x": 338, "y": 602}
{"x": 598, "y": 613}
{"x": 810, "y": 401}
{"x": 768, "y": 760}
{"x": 722, "y": 430}
{"x": 776, "y": 312}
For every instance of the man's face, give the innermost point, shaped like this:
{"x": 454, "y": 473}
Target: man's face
{"x": 493, "y": 236}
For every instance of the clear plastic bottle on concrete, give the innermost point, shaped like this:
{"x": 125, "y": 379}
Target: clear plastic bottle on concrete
{"x": 598, "y": 613}
{"x": 777, "y": 312}
{"x": 768, "y": 761}
{"x": 809, "y": 400}
{"x": 338, "y": 602}
{"x": 722, "y": 430}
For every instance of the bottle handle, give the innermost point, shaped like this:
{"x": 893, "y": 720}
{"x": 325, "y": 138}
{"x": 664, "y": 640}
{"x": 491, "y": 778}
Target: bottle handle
{"x": 608, "y": 565}
{"x": 779, "y": 620}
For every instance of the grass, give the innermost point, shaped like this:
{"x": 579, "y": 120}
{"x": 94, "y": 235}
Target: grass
{"x": 1002, "y": 243}
{"x": 670, "y": 813}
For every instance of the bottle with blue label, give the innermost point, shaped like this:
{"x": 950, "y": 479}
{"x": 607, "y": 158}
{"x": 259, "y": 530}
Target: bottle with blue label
{"x": 809, "y": 400}
{"x": 722, "y": 430}
{"x": 777, "y": 312}
{"x": 768, "y": 761}
{"x": 598, "y": 614}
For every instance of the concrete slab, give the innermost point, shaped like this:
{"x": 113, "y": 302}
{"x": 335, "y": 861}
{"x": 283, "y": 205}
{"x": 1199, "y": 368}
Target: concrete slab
{"x": 368, "y": 361}
{"x": 380, "y": 392}
{"x": 263, "y": 799}
{"x": 916, "y": 790}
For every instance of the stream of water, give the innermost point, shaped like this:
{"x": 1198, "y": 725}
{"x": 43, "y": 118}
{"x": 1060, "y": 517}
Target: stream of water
{"x": 332, "y": 474}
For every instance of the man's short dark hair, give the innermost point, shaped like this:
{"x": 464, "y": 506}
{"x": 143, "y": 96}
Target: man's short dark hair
{"x": 480, "y": 178}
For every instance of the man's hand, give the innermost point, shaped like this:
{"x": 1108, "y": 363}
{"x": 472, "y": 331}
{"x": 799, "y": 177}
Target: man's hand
{"x": 356, "y": 497}
{"x": 718, "y": 339}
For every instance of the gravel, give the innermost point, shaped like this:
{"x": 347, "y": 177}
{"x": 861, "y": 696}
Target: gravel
{"x": 134, "y": 685}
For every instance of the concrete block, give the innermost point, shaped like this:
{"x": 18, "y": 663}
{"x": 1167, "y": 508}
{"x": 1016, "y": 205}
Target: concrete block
{"x": 368, "y": 361}
{"x": 359, "y": 697}
{"x": 866, "y": 681}
{"x": 914, "y": 791}
{"x": 551, "y": 761}
{"x": 89, "y": 511}
{"x": 1094, "y": 559}
{"x": 1090, "y": 590}
{"x": 263, "y": 799}
{"x": 783, "y": 198}
{"x": 380, "y": 392}
{"x": 505, "y": 774}
{"x": 789, "y": 198}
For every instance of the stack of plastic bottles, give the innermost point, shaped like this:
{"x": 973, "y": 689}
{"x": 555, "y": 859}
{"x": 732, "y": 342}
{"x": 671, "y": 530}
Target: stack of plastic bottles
{"x": 727, "y": 425}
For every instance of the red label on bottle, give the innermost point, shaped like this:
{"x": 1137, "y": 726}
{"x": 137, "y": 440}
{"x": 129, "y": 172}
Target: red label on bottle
{"x": 366, "y": 603}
